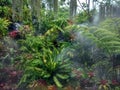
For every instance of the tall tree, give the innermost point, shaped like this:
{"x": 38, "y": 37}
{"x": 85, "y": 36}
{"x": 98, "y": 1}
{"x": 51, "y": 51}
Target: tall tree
{"x": 55, "y": 7}
{"x": 35, "y": 13}
{"x": 87, "y": 4}
{"x": 50, "y": 4}
{"x": 36, "y": 7}
{"x": 73, "y": 8}
{"x": 17, "y": 9}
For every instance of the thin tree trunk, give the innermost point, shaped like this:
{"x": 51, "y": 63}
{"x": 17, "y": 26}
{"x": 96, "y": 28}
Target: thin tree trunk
{"x": 35, "y": 8}
{"x": 17, "y": 10}
{"x": 13, "y": 9}
{"x": 35, "y": 13}
{"x": 82, "y": 6}
{"x": 55, "y": 7}
{"x": 50, "y": 4}
{"x": 88, "y": 7}
{"x": 73, "y": 8}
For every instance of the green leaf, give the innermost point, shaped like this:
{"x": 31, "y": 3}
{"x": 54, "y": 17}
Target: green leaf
{"x": 62, "y": 76}
{"x": 47, "y": 75}
{"x": 64, "y": 66}
{"x": 57, "y": 82}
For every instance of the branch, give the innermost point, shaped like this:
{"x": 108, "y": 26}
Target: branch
{"x": 81, "y": 6}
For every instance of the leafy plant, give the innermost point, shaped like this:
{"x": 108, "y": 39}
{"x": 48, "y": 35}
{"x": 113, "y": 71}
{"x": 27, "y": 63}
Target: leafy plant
{"x": 111, "y": 24}
{"x": 48, "y": 22}
{"x": 95, "y": 46}
{"x": 48, "y": 68}
{"x": 5, "y": 9}
{"x": 5, "y": 12}
{"x": 3, "y": 26}
{"x": 115, "y": 84}
{"x": 84, "y": 16}
{"x": 104, "y": 85}
{"x": 103, "y": 38}
{"x": 40, "y": 58}
{"x": 5, "y": 2}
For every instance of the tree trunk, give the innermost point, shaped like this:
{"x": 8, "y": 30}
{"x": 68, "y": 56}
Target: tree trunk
{"x": 17, "y": 10}
{"x": 50, "y": 4}
{"x": 55, "y": 7}
{"x": 73, "y": 8}
{"x": 88, "y": 7}
{"x": 36, "y": 7}
{"x": 35, "y": 13}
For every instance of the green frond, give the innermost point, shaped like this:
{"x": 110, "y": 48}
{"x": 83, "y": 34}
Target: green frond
{"x": 57, "y": 82}
{"x": 62, "y": 76}
{"x": 103, "y": 38}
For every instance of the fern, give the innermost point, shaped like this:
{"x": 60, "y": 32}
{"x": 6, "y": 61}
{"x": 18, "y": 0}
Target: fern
{"x": 108, "y": 40}
{"x": 112, "y": 24}
{"x": 3, "y": 26}
{"x": 104, "y": 39}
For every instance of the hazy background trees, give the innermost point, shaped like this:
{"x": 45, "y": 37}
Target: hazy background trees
{"x": 79, "y": 11}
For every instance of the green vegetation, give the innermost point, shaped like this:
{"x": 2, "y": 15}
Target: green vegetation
{"x": 52, "y": 48}
{"x": 3, "y": 26}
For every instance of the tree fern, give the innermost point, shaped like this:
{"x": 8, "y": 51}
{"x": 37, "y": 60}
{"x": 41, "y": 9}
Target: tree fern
{"x": 104, "y": 39}
{"x": 112, "y": 24}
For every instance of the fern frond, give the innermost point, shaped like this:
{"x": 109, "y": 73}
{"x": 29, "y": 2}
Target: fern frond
{"x": 103, "y": 38}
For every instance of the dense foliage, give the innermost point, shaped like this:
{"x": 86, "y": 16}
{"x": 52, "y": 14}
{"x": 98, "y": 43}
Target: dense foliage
{"x": 44, "y": 48}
